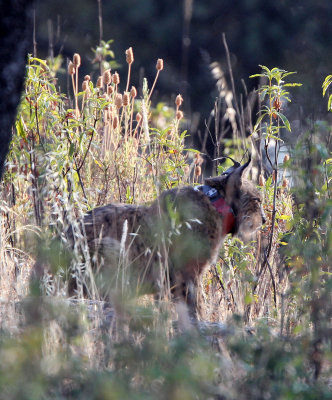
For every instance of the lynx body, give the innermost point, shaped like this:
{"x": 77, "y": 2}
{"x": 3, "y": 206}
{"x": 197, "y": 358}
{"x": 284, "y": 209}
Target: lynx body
{"x": 174, "y": 239}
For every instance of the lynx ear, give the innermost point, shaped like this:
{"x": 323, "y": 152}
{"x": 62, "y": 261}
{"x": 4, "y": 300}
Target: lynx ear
{"x": 243, "y": 170}
{"x": 234, "y": 181}
{"x": 230, "y": 181}
{"x": 218, "y": 182}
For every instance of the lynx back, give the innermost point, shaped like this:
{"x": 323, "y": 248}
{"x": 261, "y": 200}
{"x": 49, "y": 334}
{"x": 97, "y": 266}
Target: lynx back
{"x": 169, "y": 243}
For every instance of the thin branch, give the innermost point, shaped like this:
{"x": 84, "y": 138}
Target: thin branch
{"x": 273, "y": 280}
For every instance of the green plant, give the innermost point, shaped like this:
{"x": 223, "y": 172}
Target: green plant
{"x": 268, "y": 128}
{"x": 68, "y": 156}
{"x": 327, "y": 82}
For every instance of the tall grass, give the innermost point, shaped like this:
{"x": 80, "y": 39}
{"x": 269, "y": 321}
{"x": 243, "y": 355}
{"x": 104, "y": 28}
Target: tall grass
{"x": 103, "y": 142}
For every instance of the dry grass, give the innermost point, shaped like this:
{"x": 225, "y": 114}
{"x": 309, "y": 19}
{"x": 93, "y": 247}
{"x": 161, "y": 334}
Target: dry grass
{"x": 70, "y": 156}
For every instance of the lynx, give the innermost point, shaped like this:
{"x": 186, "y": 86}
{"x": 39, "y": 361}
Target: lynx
{"x": 179, "y": 235}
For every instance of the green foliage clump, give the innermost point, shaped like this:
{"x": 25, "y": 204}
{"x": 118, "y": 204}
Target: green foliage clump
{"x": 70, "y": 155}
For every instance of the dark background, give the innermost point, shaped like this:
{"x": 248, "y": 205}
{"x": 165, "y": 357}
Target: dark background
{"x": 292, "y": 34}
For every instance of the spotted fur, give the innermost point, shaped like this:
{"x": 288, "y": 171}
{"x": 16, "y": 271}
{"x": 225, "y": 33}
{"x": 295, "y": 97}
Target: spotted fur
{"x": 175, "y": 238}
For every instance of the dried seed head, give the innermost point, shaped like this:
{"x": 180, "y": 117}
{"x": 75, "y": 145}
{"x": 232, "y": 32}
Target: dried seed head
{"x": 286, "y": 158}
{"x": 186, "y": 169}
{"x": 133, "y": 92}
{"x": 178, "y": 100}
{"x": 107, "y": 77}
{"x": 273, "y": 176}
{"x": 198, "y": 170}
{"x": 125, "y": 99}
{"x": 129, "y": 55}
{"x": 198, "y": 159}
{"x": 99, "y": 83}
{"x": 160, "y": 64}
{"x": 179, "y": 115}
{"x": 261, "y": 180}
{"x": 71, "y": 68}
{"x": 277, "y": 104}
{"x": 118, "y": 100}
{"x": 85, "y": 86}
{"x": 43, "y": 68}
{"x": 115, "y": 121}
{"x": 87, "y": 78}
{"x": 76, "y": 60}
{"x": 285, "y": 183}
{"x": 110, "y": 90}
{"x": 138, "y": 117}
{"x": 116, "y": 78}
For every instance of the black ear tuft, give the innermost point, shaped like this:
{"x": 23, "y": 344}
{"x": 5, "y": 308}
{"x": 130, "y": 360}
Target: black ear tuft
{"x": 230, "y": 169}
{"x": 244, "y": 168}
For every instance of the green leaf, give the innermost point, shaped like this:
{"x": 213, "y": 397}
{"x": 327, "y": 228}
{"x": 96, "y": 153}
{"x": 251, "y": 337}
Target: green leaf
{"x": 180, "y": 171}
{"x": 19, "y": 128}
{"x": 248, "y": 298}
{"x": 284, "y": 217}
{"x": 288, "y": 73}
{"x": 259, "y": 120}
{"x": 192, "y": 151}
{"x": 292, "y": 84}
{"x": 43, "y": 62}
{"x": 327, "y": 82}
{"x": 271, "y": 136}
{"x": 183, "y": 135}
{"x": 71, "y": 149}
{"x": 256, "y": 75}
{"x": 264, "y": 68}
{"x": 98, "y": 163}
{"x": 329, "y": 104}
{"x": 285, "y": 121}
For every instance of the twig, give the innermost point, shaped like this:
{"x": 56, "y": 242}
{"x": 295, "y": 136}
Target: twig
{"x": 273, "y": 281}
{"x": 216, "y": 275}
{"x": 89, "y": 145}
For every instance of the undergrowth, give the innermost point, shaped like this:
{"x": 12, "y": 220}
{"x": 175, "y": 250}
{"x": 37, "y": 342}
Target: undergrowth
{"x": 105, "y": 142}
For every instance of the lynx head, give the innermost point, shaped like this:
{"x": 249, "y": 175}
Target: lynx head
{"x": 243, "y": 196}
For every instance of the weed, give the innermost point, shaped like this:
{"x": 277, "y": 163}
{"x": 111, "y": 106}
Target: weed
{"x": 107, "y": 145}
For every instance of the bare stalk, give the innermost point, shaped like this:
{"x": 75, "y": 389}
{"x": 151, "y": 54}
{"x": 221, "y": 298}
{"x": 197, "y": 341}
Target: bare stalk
{"x": 153, "y": 86}
{"x": 233, "y": 86}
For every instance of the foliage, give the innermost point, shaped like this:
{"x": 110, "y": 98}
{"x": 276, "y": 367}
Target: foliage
{"x": 261, "y": 31}
{"x": 69, "y": 155}
{"x": 277, "y": 95}
{"x": 327, "y": 82}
